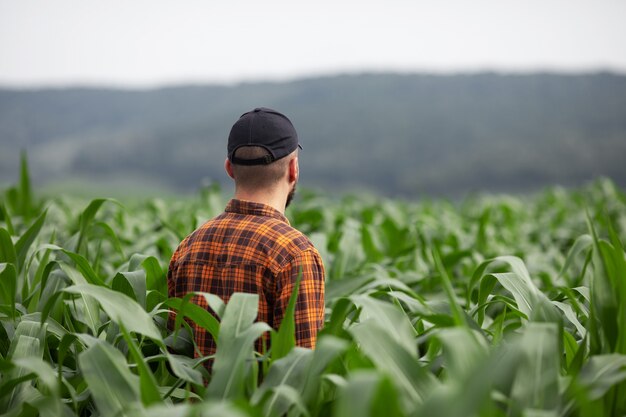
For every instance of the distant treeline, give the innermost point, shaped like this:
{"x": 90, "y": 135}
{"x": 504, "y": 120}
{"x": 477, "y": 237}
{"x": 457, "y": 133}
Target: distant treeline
{"x": 392, "y": 134}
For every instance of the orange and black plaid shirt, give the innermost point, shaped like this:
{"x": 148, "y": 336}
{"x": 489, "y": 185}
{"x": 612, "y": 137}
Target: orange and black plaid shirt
{"x": 251, "y": 248}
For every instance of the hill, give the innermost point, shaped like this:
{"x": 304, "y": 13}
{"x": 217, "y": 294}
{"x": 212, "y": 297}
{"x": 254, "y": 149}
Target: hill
{"x": 393, "y": 134}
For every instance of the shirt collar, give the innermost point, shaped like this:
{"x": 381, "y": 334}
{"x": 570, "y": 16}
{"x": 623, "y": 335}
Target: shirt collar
{"x": 254, "y": 209}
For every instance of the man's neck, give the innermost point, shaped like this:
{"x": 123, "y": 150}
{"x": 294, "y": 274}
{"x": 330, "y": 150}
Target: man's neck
{"x": 275, "y": 200}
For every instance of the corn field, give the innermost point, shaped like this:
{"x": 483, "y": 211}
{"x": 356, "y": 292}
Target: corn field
{"x": 494, "y": 306}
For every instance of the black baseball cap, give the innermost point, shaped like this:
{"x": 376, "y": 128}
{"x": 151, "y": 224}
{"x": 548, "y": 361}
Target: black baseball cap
{"x": 266, "y": 128}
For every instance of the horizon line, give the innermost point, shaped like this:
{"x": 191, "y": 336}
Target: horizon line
{"x": 276, "y": 79}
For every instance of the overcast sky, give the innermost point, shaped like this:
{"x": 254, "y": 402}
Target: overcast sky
{"x": 152, "y": 42}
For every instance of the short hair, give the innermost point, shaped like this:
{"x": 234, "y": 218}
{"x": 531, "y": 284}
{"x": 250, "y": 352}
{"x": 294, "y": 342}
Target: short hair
{"x": 258, "y": 176}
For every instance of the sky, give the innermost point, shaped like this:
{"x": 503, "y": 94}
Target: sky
{"x": 158, "y": 42}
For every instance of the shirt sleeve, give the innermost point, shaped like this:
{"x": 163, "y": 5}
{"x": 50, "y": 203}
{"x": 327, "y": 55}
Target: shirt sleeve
{"x": 309, "y": 309}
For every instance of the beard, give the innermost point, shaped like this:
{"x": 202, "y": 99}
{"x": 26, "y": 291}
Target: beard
{"x": 290, "y": 196}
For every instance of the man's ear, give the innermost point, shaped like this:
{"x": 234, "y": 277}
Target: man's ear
{"x": 294, "y": 170}
{"x": 229, "y": 168}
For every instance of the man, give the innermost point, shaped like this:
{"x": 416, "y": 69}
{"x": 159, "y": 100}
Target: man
{"x": 251, "y": 247}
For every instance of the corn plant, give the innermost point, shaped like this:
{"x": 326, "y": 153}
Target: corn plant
{"x": 494, "y": 306}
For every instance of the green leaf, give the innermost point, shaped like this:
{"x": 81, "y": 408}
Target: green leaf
{"x": 137, "y": 280}
{"x": 285, "y": 399}
{"x": 184, "y": 368}
{"x": 26, "y": 194}
{"x": 113, "y": 387}
{"x": 155, "y": 278}
{"x": 133, "y": 284}
{"x": 371, "y": 243}
{"x": 517, "y": 266}
{"x": 474, "y": 378}
{"x": 285, "y": 338}
{"x": 199, "y": 315}
{"x": 120, "y": 284}
{"x": 529, "y": 300}
{"x": 618, "y": 258}
{"x": 86, "y": 218}
{"x": 536, "y": 384}
{"x": 84, "y": 267}
{"x": 457, "y": 311}
{"x": 4, "y": 215}
{"x": 569, "y": 313}
{"x": 328, "y": 348}
{"x": 147, "y": 383}
{"x": 41, "y": 369}
{"x": 289, "y": 372}
{"x": 463, "y": 348}
{"x": 401, "y": 365}
{"x": 120, "y": 308}
{"x": 234, "y": 355}
{"x": 28, "y": 329}
{"x": 523, "y": 292}
{"x": 368, "y": 394}
{"x": 350, "y": 252}
{"x": 12, "y": 389}
{"x": 581, "y": 244}
{"x": 7, "y": 249}
{"x": 27, "y": 239}
{"x": 601, "y": 373}
{"x": 389, "y": 318}
{"x": 202, "y": 409}
{"x": 86, "y": 308}
{"x": 8, "y": 286}
{"x": 108, "y": 232}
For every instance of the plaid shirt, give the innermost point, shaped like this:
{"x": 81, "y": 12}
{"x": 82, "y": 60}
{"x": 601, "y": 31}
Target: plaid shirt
{"x": 251, "y": 248}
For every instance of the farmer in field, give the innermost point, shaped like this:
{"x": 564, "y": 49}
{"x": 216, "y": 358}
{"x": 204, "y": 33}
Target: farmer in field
{"x": 251, "y": 247}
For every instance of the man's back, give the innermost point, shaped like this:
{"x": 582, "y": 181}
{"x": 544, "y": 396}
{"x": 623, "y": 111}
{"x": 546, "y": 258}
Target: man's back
{"x": 252, "y": 248}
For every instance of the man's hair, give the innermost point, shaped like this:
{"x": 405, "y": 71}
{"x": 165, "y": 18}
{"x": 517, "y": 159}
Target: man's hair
{"x": 258, "y": 176}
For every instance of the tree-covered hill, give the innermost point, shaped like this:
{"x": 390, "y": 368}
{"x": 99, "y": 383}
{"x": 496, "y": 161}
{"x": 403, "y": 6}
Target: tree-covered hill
{"x": 395, "y": 134}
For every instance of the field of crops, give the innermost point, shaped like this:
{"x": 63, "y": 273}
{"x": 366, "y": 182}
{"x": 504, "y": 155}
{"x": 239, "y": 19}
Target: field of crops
{"x": 495, "y": 306}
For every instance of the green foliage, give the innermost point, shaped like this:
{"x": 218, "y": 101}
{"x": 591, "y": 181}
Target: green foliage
{"x": 284, "y": 339}
{"x": 491, "y": 307}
